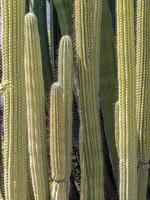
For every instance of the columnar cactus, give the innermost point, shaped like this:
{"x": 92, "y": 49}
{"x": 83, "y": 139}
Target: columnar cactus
{"x": 117, "y": 125}
{"x": 143, "y": 93}
{"x": 35, "y": 109}
{"x": 15, "y": 167}
{"x": 87, "y": 34}
{"x": 127, "y": 101}
{"x": 58, "y": 142}
{"x": 65, "y": 77}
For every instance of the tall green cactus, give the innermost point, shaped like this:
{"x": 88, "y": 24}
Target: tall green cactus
{"x": 15, "y": 167}
{"x": 65, "y": 77}
{"x": 58, "y": 142}
{"x": 87, "y": 34}
{"x": 39, "y": 9}
{"x": 142, "y": 93}
{"x": 35, "y": 109}
{"x": 127, "y": 101}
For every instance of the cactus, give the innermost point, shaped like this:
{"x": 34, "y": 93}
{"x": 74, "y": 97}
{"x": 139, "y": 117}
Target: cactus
{"x": 65, "y": 76}
{"x": 15, "y": 170}
{"x": 142, "y": 93}
{"x": 87, "y": 42}
{"x": 117, "y": 125}
{"x": 127, "y": 101}
{"x": 39, "y": 9}
{"x": 108, "y": 86}
{"x": 58, "y": 142}
{"x": 35, "y": 109}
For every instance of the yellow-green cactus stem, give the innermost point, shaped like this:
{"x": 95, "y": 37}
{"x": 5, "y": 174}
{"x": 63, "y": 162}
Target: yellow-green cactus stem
{"x": 127, "y": 101}
{"x": 117, "y": 126}
{"x": 65, "y": 77}
{"x": 35, "y": 109}
{"x": 15, "y": 167}
{"x": 143, "y": 93}
{"x": 58, "y": 151}
{"x": 87, "y": 34}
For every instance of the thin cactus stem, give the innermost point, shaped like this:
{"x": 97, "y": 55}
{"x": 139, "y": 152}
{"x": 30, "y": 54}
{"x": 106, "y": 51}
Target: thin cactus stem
{"x": 35, "y": 109}
{"x": 15, "y": 167}
{"x": 142, "y": 93}
{"x": 87, "y": 33}
{"x": 127, "y": 101}
{"x": 58, "y": 151}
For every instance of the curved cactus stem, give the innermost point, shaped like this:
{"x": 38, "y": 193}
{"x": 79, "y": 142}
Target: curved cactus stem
{"x": 87, "y": 34}
{"x": 127, "y": 101}
{"x": 143, "y": 93}
{"x": 35, "y": 109}
{"x": 15, "y": 140}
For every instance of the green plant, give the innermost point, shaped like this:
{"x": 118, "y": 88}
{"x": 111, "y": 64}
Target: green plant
{"x": 142, "y": 93}
{"x": 87, "y": 42}
{"x": 127, "y": 101}
{"x": 35, "y": 99}
{"x": 15, "y": 170}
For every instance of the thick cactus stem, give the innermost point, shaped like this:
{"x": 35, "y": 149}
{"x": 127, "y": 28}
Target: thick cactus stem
{"x": 143, "y": 93}
{"x": 127, "y": 101}
{"x": 87, "y": 33}
{"x": 65, "y": 77}
{"x": 58, "y": 151}
{"x": 15, "y": 168}
{"x": 35, "y": 109}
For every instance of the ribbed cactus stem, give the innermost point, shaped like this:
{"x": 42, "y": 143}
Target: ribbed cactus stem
{"x": 58, "y": 151}
{"x": 87, "y": 34}
{"x": 65, "y": 77}
{"x": 127, "y": 101}
{"x": 143, "y": 93}
{"x": 15, "y": 167}
{"x": 117, "y": 125}
{"x": 35, "y": 109}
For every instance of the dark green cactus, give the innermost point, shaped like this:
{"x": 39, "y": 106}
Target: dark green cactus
{"x": 142, "y": 93}
{"x": 87, "y": 43}
{"x": 15, "y": 167}
{"x": 35, "y": 109}
{"x": 127, "y": 101}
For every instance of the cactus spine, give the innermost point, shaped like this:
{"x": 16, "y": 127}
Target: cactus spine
{"x": 15, "y": 168}
{"x": 58, "y": 151}
{"x": 35, "y": 109}
{"x": 127, "y": 101}
{"x": 142, "y": 93}
{"x": 87, "y": 33}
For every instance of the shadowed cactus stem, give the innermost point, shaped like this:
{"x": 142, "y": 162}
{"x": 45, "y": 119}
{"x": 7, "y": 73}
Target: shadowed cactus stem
{"x": 35, "y": 109}
{"x": 143, "y": 93}
{"x": 127, "y": 101}
{"x": 87, "y": 33}
{"x": 15, "y": 167}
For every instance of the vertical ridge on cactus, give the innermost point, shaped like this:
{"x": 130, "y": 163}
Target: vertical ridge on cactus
{"x": 15, "y": 172}
{"x": 35, "y": 109}
{"x": 142, "y": 93}
{"x": 117, "y": 125}
{"x": 87, "y": 34}
{"x": 58, "y": 151}
{"x": 127, "y": 101}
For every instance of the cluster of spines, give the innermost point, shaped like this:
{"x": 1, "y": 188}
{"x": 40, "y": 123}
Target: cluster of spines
{"x": 87, "y": 34}
{"x": 127, "y": 101}
{"x": 35, "y": 109}
{"x": 142, "y": 92}
{"x": 15, "y": 172}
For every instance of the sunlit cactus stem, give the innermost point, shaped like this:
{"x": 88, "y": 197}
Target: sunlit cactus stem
{"x": 143, "y": 93}
{"x": 15, "y": 140}
{"x": 58, "y": 142}
{"x": 35, "y": 109}
{"x": 127, "y": 101}
{"x": 87, "y": 34}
